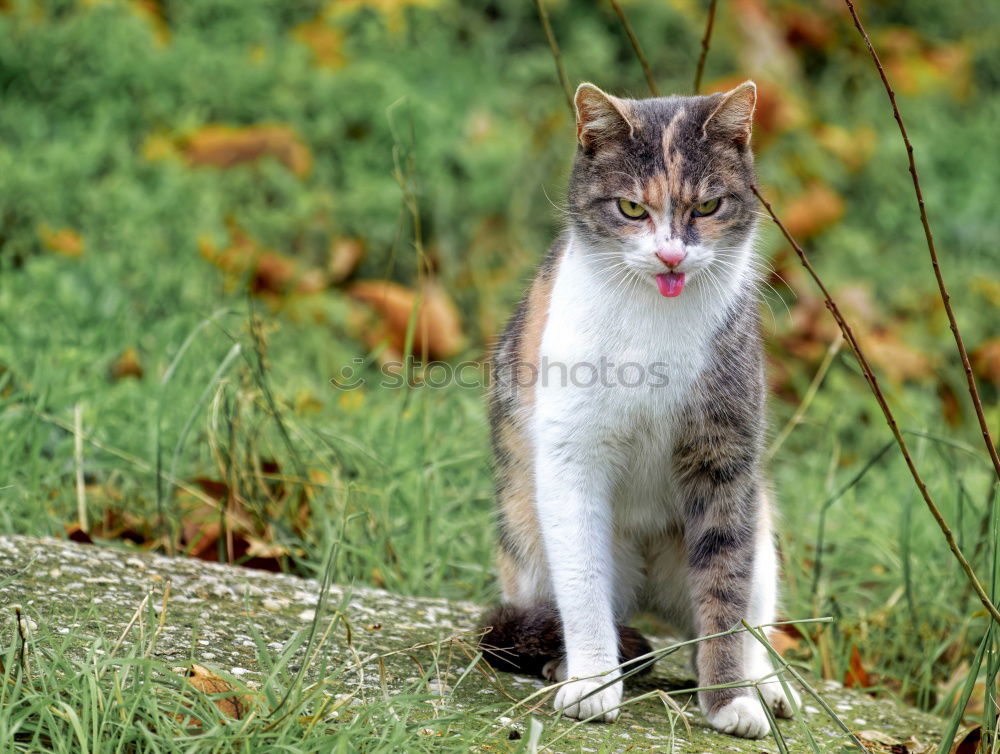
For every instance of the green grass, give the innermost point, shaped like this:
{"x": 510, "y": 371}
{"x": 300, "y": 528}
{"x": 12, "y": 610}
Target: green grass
{"x": 112, "y": 697}
{"x": 403, "y": 475}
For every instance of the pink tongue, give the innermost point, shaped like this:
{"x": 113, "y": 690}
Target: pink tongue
{"x": 670, "y": 283}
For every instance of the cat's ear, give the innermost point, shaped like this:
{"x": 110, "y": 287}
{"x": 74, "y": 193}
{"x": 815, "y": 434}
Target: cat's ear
{"x": 600, "y": 117}
{"x": 733, "y": 116}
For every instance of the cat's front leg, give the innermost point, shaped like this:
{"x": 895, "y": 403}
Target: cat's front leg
{"x": 721, "y": 522}
{"x": 574, "y": 512}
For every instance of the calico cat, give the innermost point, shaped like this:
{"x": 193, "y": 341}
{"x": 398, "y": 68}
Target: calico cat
{"x": 627, "y": 414}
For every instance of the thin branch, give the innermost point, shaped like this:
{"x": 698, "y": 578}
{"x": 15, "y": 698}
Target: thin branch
{"x": 554, "y": 46}
{"x": 873, "y": 383}
{"x": 635, "y": 46}
{"x": 945, "y": 296}
{"x": 709, "y": 23}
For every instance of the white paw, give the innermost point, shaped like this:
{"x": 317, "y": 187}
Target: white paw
{"x": 743, "y": 717}
{"x": 581, "y": 700}
{"x": 554, "y": 671}
{"x": 774, "y": 695}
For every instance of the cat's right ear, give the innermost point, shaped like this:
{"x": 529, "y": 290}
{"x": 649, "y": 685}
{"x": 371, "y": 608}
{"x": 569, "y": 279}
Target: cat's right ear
{"x": 600, "y": 117}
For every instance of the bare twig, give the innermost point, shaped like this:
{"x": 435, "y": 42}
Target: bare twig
{"x": 705, "y": 40}
{"x": 635, "y": 46}
{"x": 554, "y": 46}
{"x": 890, "y": 418}
{"x": 945, "y": 296}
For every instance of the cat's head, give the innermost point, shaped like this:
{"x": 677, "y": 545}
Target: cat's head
{"x": 660, "y": 189}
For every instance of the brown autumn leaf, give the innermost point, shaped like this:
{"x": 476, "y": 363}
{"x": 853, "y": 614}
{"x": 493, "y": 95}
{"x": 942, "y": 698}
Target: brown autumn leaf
{"x": 152, "y": 12}
{"x": 968, "y": 741}
{"x": 393, "y": 12}
{"x": 808, "y": 28}
{"x": 243, "y": 541}
{"x": 783, "y": 640}
{"x": 811, "y": 329}
{"x": 951, "y": 408}
{"x": 345, "y": 255}
{"x": 915, "y": 65}
{"x": 437, "y": 330}
{"x": 269, "y": 272}
{"x": 896, "y": 359}
{"x": 75, "y": 533}
{"x": 225, "y": 146}
{"x": 7, "y": 384}
{"x": 876, "y": 738}
{"x": 325, "y": 41}
{"x": 988, "y": 288}
{"x": 852, "y": 147}
{"x": 856, "y": 675}
{"x": 812, "y": 211}
{"x": 127, "y": 365}
{"x": 877, "y": 741}
{"x": 775, "y": 110}
{"x": 207, "y": 682}
{"x": 201, "y": 539}
{"x": 986, "y": 361}
{"x": 115, "y": 523}
{"x": 65, "y": 241}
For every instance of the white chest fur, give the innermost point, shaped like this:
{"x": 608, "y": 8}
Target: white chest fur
{"x": 618, "y": 362}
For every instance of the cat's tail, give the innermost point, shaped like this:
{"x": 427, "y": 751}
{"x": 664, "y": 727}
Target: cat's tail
{"x": 526, "y": 639}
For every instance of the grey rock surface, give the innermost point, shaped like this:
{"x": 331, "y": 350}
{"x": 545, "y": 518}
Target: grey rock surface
{"x": 216, "y": 615}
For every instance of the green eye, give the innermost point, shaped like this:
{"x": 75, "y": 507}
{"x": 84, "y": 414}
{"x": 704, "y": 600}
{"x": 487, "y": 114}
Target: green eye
{"x": 632, "y": 210}
{"x": 705, "y": 208}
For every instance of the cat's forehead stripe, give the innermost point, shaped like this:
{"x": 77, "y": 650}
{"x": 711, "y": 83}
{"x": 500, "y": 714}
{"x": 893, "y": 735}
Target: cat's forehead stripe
{"x": 663, "y": 184}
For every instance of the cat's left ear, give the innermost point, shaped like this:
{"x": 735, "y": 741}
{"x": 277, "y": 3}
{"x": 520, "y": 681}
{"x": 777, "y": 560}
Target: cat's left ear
{"x": 732, "y": 118}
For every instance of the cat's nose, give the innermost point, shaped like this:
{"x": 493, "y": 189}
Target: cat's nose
{"x": 671, "y": 257}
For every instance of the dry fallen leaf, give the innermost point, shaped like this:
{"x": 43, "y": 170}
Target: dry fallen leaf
{"x": 811, "y": 329}
{"x": 877, "y": 741}
{"x": 345, "y": 255}
{"x": 325, "y": 41}
{"x": 808, "y": 27}
{"x": 75, "y": 533}
{"x": 269, "y": 271}
{"x": 812, "y": 211}
{"x": 853, "y": 148}
{"x": 899, "y": 361}
{"x": 65, "y": 241}
{"x": 951, "y": 408}
{"x": 968, "y": 741}
{"x": 986, "y": 361}
{"x": 876, "y": 737}
{"x": 856, "y": 675}
{"x": 208, "y": 682}
{"x": 437, "y": 329}
{"x": 245, "y": 540}
{"x": 783, "y": 641}
{"x": 775, "y": 110}
{"x": 127, "y": 365}
{"x": 152, "y": 12}
{"x": 915, "y": 65}
{"x": 226, "y": 146}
